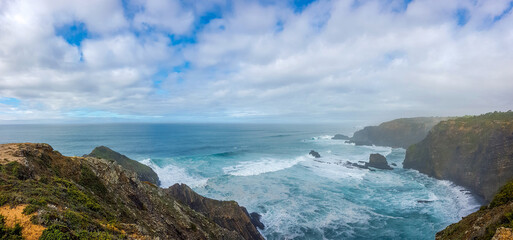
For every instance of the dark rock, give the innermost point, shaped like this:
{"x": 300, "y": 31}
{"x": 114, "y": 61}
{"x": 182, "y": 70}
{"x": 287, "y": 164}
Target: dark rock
{"x": 401, "y": 132}
{"x": 379, "y": 161}
{"x": 144, "y": 172}
{"x": 315, "y": 154}
{"x": 424, "y": 201}
{"x": 351, "y": 165}
{"x": 227, "y": 214}
{"x": 255, "y": 219}
{"x": 340, "y": 137}
{"x": 393, "y": 164}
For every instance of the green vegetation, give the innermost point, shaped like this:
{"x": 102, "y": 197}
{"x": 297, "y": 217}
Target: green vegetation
{"x": 505, "y": 195}
{"x": 9, "y": 233}
{"x": 85, "y": 215}
{"x": 144, "y": 172}
{"x": 92, "y": 198}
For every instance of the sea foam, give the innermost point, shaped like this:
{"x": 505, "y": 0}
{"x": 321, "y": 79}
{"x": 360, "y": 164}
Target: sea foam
{"x": 264, "y": 165}
{"x": 171, "y": 174}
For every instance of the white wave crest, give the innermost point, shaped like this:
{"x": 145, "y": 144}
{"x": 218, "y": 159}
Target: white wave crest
{"x": 264, "y": 165}
{"x": 171, "y": 174}
{"x": 323, "y": 137}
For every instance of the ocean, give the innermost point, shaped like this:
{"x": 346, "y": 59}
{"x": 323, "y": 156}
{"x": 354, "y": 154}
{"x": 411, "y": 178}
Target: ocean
{"x": 267, "y": 169}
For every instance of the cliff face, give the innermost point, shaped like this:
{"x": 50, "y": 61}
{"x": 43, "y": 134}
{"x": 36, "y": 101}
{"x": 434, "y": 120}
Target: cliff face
{"x": 401, "y": 132}
{"x": 144, "y": 172}
{"x": 93, "y": 198}
{"x": 474, "y": 152}
{"x": 490, "y": 222}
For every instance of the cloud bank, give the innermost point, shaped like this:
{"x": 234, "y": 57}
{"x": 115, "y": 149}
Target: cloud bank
{"x": 253, "y": 61}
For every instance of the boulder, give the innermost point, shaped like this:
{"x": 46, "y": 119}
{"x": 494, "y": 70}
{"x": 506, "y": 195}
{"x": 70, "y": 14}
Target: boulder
{"x": 379, "y": 161}
{"x": 315, "y": 154}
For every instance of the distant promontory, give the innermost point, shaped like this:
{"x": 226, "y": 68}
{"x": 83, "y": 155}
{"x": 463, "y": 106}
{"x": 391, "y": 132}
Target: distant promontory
{"x": 401, "y": 132}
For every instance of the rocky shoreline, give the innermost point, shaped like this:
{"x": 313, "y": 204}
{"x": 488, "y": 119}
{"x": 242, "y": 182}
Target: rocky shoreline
{"x": 475, "y": 152}
{"x": 91, "y": 198}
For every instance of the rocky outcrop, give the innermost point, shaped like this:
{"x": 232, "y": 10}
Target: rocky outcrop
{"x": 401, "y": 132}
{"x": 340, "y": 137}
{"x": 144, "y": 172}
{"x": 227, "y": 214}
{"x": 379, "y": 161}
{"x": 314, "y": 154}
{"x": 255, "y": 219}
{"x": 475, "y": 152}
{"x": 96, "y": 198}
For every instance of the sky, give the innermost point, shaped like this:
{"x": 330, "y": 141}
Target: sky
{"x": 283, "y": 61}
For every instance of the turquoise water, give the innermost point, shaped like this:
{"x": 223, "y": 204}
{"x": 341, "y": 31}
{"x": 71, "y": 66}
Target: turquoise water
{"x": 267, "y": 169}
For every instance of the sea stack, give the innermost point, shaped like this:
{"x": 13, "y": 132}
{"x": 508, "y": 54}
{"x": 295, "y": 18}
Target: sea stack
{"x": 379, "y": 161}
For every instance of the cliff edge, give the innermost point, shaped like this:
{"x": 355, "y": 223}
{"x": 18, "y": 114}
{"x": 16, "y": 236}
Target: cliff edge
{"x": 401, "y": 132}
{"x": 475, "y": 152}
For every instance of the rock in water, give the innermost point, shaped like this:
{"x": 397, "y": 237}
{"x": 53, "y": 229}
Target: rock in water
{"x": 255, "y": 219}
{"x": 377, "y": 160}
{"x": 315, "y": 154}
{"x": 340, "y": 137}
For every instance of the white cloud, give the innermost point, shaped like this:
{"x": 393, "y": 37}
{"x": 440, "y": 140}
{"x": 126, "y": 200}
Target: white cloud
{"x": 167, "y": 15}
{"x": 330, "y": 61}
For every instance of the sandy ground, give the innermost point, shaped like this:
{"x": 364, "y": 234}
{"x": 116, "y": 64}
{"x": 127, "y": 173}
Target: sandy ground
{"x": 14, "y": 215}
{"x": 8, "y": 152}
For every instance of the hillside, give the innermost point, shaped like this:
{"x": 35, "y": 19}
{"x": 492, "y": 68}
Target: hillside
{"x": 144, "y": 172}
{"x": 93, "y": 198}
{"x": 475, "y": 152}
{"x": 401, "y": 132}
{"x": 494, "y": 220}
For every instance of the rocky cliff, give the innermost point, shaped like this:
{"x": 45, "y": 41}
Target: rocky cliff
{"x": 494, "y": 221}
{"x": 401, "y": 132}
{"x": 144, "y": 172}
{"x": 94, "y": 198}
{"x": 227, "y": 214}
{"x": 475, "y": 152}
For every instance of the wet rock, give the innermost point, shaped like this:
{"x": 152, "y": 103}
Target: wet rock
{"x": 255, "y": 219}
{"x": 379, "y": 161}
{"x": 315, "y": 154}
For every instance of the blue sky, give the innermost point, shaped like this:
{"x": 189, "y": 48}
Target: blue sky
{"x": 253, "y": 61}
